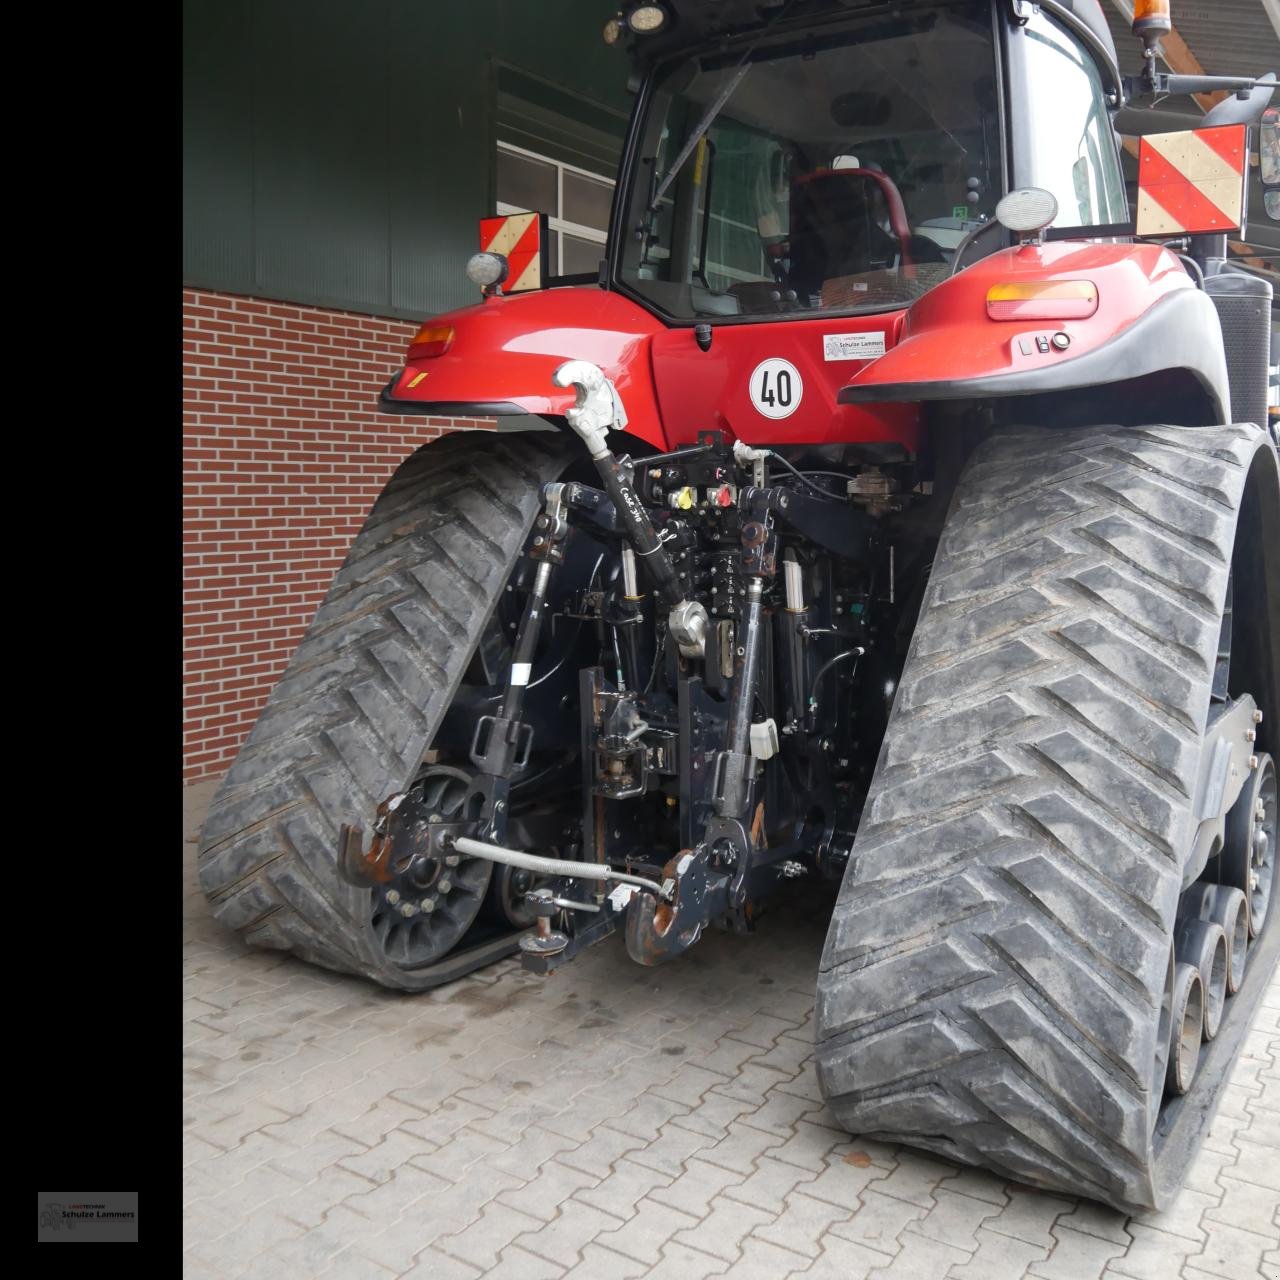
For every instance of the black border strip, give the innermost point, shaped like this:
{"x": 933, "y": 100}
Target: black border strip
{"x": 387, "y": 403}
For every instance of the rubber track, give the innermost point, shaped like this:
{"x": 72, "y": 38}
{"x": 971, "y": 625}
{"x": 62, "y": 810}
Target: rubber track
{"x": 359, "y": 702}
{"x": 992, "y": 978}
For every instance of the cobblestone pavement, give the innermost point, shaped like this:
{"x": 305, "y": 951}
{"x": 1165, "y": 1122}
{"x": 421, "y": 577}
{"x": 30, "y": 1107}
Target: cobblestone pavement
{"x": 614, "y": 1121}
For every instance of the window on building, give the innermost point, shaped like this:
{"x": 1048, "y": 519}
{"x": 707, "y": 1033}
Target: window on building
{"x": 576, "y": 202}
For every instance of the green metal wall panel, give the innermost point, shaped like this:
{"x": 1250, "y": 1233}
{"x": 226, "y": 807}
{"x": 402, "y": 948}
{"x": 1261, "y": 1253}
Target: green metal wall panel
{"x": 546, "y": 119}
{"x": 321, "y": 152}
{"x": 340, "y": 153}
{"x": 217, "y": 157}
{"x": 441, "y": 166}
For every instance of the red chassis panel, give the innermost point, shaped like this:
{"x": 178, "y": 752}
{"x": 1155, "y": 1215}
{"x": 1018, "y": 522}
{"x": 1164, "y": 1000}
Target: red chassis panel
{"x": 506, "y": 349}
{"x": 712, "y": 389}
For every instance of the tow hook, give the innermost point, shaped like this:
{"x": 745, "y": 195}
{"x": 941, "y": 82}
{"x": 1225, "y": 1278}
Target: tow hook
{"x": 659, "y": 931}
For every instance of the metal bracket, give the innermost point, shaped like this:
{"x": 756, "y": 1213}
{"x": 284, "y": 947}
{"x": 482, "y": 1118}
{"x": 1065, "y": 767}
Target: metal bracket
{"x": 840, "y": 527}
{"x": 660, "y": 932}
{"x": 1023, "y": 11}
{"x": 759, "y": 548}
{"x": 1228, "y": 754}
{"x": 366, "y": 869}
{"x": 355, "y": 866}
{"x": 552, "y": 526}
{"x": 501, "y": 746}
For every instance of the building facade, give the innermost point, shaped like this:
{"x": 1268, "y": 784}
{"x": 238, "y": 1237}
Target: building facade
{"x": 337, "y": 156}
{"x": 336, "y": 159}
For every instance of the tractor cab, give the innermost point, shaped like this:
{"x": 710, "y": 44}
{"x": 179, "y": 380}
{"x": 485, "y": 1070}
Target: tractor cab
{"x": 863, "y": 153}
{"x": 814, "y": 188}
{"x": 762, "y": 183}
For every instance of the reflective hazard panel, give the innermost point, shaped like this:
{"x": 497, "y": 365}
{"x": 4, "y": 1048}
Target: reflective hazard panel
{"x": 1192, "y": 181}
{"x": 523, "y": 239}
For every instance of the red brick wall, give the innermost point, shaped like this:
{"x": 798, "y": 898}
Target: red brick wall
{"x": 284, "y": 452}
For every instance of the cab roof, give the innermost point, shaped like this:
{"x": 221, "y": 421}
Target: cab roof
{"x": 701, "y": 22}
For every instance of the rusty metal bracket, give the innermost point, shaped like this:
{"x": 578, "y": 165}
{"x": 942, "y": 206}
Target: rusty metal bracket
{"x": 355, "y": 866}
{"x": 366, "y": 869}
{"x": 759, "y": 548}
{"x": 658, "y": 932}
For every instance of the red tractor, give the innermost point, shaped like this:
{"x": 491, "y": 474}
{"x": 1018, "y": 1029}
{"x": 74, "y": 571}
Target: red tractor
{"x": 893, "y": 509}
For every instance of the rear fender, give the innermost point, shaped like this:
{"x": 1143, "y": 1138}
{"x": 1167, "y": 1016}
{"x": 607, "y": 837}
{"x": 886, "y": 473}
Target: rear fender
{"x": 1151, "y": 319}
{"x": 503, "y": 352}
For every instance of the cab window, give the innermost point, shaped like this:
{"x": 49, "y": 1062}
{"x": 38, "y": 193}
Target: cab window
{"x": 1073, "y": 150}
{"x": 832, "y": 170}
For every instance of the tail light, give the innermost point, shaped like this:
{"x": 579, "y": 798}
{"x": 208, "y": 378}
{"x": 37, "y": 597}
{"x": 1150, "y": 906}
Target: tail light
{"x": 1042, "y": 300}
{"x": 431, "y": 340}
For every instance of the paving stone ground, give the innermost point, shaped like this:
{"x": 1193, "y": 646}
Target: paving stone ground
{"x": 615, "y": 1121}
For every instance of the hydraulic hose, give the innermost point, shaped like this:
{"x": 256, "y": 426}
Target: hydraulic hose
{"x": 549, "y": 866}
{"x": 826, "y": 666}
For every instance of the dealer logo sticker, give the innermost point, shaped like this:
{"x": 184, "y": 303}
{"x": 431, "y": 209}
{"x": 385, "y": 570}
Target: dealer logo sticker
{"x": 852, "y": 346}
{"x": 776, "y": 387}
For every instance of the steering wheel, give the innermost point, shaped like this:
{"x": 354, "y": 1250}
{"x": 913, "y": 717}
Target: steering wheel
{"x": 900, "y": 228}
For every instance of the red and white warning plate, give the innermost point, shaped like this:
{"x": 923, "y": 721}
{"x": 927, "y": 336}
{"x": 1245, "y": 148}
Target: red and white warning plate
{"x": 521, "y": 238}
{"x": 1192, "y": 181}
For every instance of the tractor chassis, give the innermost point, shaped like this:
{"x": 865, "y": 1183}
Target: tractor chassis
{"x": 632, "y": 741}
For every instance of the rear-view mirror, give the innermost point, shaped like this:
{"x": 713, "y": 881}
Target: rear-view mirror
{"x": 1269, "y": 161}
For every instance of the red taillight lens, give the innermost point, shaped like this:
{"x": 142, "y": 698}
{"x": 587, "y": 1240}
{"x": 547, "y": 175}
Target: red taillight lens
{"x": 1043, "y": 300}
{"x": 431, "y": 340}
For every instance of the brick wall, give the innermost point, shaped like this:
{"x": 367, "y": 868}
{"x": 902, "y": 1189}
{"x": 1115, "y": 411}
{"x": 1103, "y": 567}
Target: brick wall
{"x": 284, "y": 452}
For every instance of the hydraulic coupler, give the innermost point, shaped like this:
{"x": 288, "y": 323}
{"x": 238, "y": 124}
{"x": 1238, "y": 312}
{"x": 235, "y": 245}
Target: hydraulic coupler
{"x": 597, "y": 411}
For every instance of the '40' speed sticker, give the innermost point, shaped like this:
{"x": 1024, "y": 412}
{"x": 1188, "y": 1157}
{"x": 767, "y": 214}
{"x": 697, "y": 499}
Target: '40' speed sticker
{"x": 776, "y": 388}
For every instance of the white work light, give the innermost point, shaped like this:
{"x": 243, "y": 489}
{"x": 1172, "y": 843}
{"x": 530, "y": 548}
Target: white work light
{"x": 487, "y": 269}
{"x": 1027, "y": 210}
{"x": 645, "y": 19}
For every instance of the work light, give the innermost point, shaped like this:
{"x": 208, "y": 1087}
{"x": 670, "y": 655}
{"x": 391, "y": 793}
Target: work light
{"x": 1027, "y": 210}
{"x": 487, "y": 269}
{"x": 645, "y": 19}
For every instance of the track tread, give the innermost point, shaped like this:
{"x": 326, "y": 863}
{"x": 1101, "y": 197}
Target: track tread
{"x": 354, "y": 711}
{"x": 992, "y": 977}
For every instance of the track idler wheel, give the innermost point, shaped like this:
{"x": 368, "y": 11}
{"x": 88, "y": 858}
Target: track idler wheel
{"x": 1204, "y": 944}
{"x": 428, "y": 900}
{"x": 1249, "y": 848}
{"x": 1230, "y": 909}
{"x": 1186, "y": 1028}
{"x": 508, "y": 900}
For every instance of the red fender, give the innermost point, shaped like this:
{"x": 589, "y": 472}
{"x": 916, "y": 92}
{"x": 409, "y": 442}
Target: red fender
{"x": 504, "y": 351}
{"x": 948, "y": 338}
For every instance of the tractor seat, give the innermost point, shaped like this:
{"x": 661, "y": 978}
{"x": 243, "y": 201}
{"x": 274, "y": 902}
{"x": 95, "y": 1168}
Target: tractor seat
{"x": 836, "y": 230}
